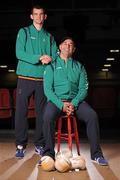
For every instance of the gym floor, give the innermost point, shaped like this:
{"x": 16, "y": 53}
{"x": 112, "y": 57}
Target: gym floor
{"x": 27, "y": 168}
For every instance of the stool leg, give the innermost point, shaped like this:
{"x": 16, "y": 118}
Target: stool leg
{"x": 59, "y": 134}
{"x": 76, "y": 135}
{"x": 69, "y": 134}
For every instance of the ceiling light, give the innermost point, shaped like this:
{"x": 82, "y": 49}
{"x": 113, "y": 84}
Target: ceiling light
{"x": 3, "y": 66}
{"x": 11, "y": 70}
{"x": 107, "y": 65}
{"x": 110, "y": 59}
{"x": 105, "y": 69}
{"x": 114, "y": 50}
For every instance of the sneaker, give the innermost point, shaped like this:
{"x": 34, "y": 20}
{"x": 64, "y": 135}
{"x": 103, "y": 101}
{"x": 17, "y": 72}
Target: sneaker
{"x": 39, "y": 150}
{"x": 20, "y": 151}
{"x": 101, "y": 161}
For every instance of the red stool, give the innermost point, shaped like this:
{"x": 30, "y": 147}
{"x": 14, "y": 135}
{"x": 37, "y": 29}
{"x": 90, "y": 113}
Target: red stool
{"x": 71, "y": 120}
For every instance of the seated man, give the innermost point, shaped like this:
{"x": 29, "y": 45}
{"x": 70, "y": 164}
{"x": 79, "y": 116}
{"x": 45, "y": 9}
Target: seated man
{"x": 66, "y": 86}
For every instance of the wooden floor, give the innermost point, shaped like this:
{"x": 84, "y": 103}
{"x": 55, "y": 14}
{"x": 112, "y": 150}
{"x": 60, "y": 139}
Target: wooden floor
{"x": 27, "y": 169}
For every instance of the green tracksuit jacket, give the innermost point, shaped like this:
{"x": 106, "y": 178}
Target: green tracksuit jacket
{"x": 65, "y": 82}
{"x": 31, "y": 44}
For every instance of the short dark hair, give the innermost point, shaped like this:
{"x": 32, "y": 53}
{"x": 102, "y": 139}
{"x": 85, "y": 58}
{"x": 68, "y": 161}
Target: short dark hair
{"x": 65, "y": 38}
{"x": 38, "y": 6}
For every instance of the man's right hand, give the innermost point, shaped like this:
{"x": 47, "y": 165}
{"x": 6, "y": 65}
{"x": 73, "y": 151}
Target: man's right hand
{"x": 45, "y": 59}
{"x": 65, "y": 106}
{"x": 68, "y": 108}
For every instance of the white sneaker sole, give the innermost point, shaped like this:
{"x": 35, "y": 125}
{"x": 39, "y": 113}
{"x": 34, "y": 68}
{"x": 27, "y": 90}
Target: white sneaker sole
{"x": 99, "y": 163}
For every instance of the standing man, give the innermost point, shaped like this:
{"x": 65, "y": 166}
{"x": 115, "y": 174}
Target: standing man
{"x": 66, "y": 86}
{"x": 35, "y": 48}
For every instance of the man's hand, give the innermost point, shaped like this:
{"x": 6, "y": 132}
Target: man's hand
{"x": 68, "y": 108}
{"x": 65, "y": 107}
{"x": 45, "y": 59}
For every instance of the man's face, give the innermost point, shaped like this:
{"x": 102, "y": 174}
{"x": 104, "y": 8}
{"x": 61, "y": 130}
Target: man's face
{"x": 38, "y": 16}
{"x": 67, "y": 47}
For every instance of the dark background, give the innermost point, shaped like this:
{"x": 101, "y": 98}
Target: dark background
{"x": 95, "y": 25}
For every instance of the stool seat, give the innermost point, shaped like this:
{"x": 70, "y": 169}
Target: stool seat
{"x": 72, "y": 132}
